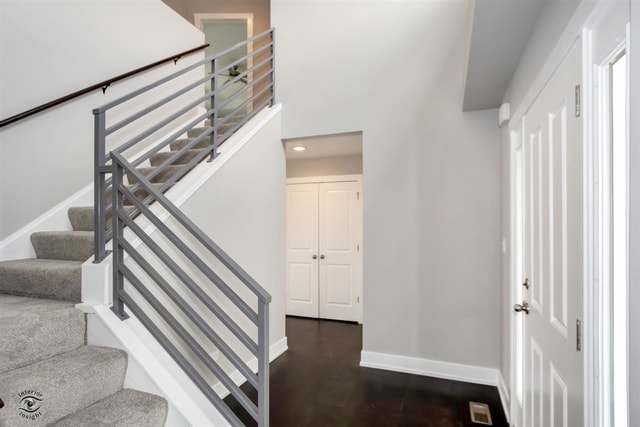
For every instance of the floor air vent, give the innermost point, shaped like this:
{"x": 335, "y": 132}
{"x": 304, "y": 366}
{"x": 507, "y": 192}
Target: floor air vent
{"x": 480, "y": 413}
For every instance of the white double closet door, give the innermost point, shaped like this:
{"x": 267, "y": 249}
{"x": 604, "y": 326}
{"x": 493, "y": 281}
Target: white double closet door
{"x": 324, "y": 258}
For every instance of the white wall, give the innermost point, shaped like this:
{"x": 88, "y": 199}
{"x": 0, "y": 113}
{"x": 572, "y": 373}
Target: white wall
{"x": 431, "y": 173}
{"x": 49, "y": 49}
{"x": 324, "y": 166}
{"x": 242, "y": 208}
{"x": 634, "y": 217}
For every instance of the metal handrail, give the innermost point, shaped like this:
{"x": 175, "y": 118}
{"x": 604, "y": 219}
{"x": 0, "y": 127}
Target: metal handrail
{"x": 121, "y": 296}
{"x": 102, "y": 85}
{"x": 217, "y": 133}
{"x": 250, "y": 311}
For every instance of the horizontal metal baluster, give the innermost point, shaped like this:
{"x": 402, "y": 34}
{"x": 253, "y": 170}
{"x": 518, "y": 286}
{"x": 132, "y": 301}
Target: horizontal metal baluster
{"x": 189, "y": 312}
{"x": 153, "y": 129}
{"x": 224, "y": 258}
{"x": 237, "y": 93}
{"x": 154, "y": 106}
{"x": 248, "y": 117}
{"x": 179, "y": 358}
{"x": 193, "y": 287}
{"x": 193, "y": 258}
{"x": 243, "y": 43}
{"x": 190, "y": 341}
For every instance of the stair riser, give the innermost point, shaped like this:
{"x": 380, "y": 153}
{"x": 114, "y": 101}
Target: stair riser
{"x": 69, "y": 246}
{"x": 36, "y": 329}
{"x": 64, "y": 384}
{"x": 181, "y": 143}
{"x": 42, "y": 279}
{"x": 128, "y": 408}
{"x": 159, "y": 158}
{"x": 160, "y": 178}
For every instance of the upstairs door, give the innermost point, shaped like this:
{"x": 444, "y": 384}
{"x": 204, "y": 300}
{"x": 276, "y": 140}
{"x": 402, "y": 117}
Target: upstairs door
{"x": 553, "y": 251}
{"x": 324, "y": 267}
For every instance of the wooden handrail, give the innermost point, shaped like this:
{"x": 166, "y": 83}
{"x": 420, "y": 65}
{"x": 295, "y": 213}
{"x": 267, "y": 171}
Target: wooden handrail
{"x": 102, "y": 85}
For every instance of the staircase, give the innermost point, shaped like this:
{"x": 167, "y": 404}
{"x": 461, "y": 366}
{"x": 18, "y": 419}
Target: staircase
{"x": 47, "y": 373}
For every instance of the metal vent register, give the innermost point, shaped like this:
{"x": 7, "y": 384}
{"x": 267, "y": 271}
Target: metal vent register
{"x": 480, "y": 413}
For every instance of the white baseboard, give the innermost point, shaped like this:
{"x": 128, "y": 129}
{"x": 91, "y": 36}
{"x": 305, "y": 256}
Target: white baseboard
{"x": 275, "y": 350}
{"x": 431, "y": 368}
{"x": 439, "y": 369}
{"x": 17, "y": 245}
{"x": 504, "y": 397}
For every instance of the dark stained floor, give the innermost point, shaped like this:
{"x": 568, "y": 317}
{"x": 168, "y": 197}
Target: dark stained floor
{"x": 318, "y": 382}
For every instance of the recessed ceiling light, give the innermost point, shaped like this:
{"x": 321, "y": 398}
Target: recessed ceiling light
{"x": 299, "y": 148}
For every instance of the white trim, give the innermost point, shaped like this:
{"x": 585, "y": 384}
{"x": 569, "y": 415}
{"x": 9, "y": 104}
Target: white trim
{"x": 321, "y": 179}
{"x": 344, "y": 178}
{"x": 276, "y": 350}
{"x": 200, "y": 18}
{"x": 17, "y": 245}
{"x": 503, "y": 391}
{"x": 431, "y": 368}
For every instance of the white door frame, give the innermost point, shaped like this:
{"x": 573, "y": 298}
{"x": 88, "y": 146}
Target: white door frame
{"x": 200, "y": 18}
{"x": 594, "y": 401}
{"x": 342, "y": 178}
{"x": 608, "y": 37}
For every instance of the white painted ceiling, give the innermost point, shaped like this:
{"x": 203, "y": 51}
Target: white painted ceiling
{"x": 501, "y": 30}
{"x": 344, "y": 144}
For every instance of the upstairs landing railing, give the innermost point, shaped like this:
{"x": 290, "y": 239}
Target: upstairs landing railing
{"x": 180, "y": 302}
{"x": 256, "y": 92}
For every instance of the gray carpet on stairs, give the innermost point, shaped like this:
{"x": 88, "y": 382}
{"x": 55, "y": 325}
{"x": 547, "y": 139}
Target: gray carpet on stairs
{"x": 43, "y": 278}
{"x": 64, "y": 384}
{"x": 36, "y": 329}
{"x": 81, "y": 218}
{"x": 63, "y": 245}
{"x": 126, "y": 408}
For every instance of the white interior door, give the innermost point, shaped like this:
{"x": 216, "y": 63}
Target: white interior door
{"x": 553, "y": 362}
{"x": 302, "y": 250}
{"x": 340, "y": 270}
{"x": 324, "y": 259}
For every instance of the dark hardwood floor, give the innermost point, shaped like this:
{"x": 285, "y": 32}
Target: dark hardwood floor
{"x": 318, "y": 382}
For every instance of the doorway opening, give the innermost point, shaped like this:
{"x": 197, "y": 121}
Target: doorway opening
{"x": 613, "y": 225}
{"x": 223, "y": 31}
{"x": 324, "y": 226}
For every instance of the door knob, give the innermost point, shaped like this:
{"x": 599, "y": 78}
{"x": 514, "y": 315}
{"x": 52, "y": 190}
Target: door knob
{"x": 521, "y": 307}
{"x": 321, "y": 256}
{"x": 314, "y": 257}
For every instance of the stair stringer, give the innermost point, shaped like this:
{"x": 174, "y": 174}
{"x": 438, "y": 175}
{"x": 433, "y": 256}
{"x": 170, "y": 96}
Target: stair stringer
{"x": 151, "y": 368}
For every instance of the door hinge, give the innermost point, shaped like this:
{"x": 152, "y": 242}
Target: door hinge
{"x": 358, "y": 195}
{"x": 578, "y": 101}
{"x": 358, "y": 248}
{"x": 578, "y": 335}
{"x": 358, "y": 299}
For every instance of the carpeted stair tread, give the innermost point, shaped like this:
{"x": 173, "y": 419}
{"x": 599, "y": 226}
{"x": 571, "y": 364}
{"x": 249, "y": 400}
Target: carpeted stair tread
{"x": 81, "y": 218}
{"x": 34, "y": 329}
{"x": 183, "y": 159}
{"x": 63, "y": 245}
{"x": 41, "y": 278}
{"x": 161, "y": 177}
{"x": 197, "y": 131}
{"x": 126, "y": 408}
{"x": 65, "y": 384}
{"x": 140, "y": 193}
{"x": 179, "y": 144}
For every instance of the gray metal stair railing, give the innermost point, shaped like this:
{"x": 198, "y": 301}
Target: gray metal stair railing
{"x": 259, "y": 92}
{"x": 122, "y": 270}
